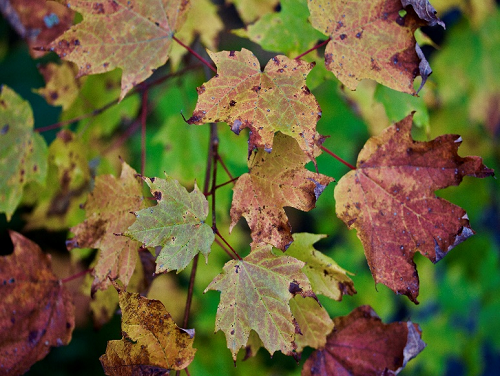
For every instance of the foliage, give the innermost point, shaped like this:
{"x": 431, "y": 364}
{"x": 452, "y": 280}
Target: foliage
{"x": 125, "y": 66}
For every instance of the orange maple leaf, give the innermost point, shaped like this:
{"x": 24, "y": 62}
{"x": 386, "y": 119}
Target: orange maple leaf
{"x": 369, "y": 39}
{"x": 275, "y": 180}
{"x": 390, "y": 200}
{"x": 265, "y": 102}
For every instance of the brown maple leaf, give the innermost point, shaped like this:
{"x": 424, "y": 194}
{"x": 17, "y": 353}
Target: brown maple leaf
{"x": 390, "y": 200}
{"x": 37, "y": 310}
{"x": 369, "y": 39}
{"x": 265, "y": 102}
{"x": 133, "y": 35}
{"x": 275, "y": 180}
{"x": 108, "y": 210}
{"x": 362, "y": 345}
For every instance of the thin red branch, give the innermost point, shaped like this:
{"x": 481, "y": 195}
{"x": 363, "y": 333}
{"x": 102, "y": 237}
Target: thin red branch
{"x": 337, "y": 157}
{"x": 223, "y": 184}
{"x": 313, "y": 48}
{"x": 222, "y": 245}
{"x": 229, "y": 245}
{"x": 195, "y": 54}
{"x": 224, "y": 166}
{"x": 144, "y": 114}
{"x": 77, "y": 275}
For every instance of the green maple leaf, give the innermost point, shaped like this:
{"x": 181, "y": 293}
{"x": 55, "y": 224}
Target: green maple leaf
{"x": 255, "y": 294}
{"x": 23, "y": 153}
{"x": 133, "y": 35}
{"x": 176, "y": 224}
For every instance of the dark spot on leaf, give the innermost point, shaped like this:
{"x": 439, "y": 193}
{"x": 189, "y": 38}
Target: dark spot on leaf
{"x": 306, "y": 90}
{"x": 343, "y": 36}
{"x": 157, "y": 195}
{"x": 4, "y": 129}
{"x": 200, "y": 89}
{"x": 359, "y": 35}
{"x": 294, "y": 288}
{"x": 196, "y": 118}
{"x": 232, "y": 103}
{"x": 54, "y": 95}
{"x": 256, "y": 88}
{"x": 276, "y": 61}
{"x": 400, "y": 21}
{"x": 98, "y": 8}
{"x": 33, "y": 337}
{"x": 231, "y": 54}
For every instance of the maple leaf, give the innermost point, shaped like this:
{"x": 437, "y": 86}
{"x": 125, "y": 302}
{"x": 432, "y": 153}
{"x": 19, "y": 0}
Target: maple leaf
{"x": 314, "y": 322}
{"x": 362, "y": 345}
{"x": 255, "y": 293}
{"x": 57, "y": 205}
{"x": 265, "y": 102}
{"x": 275, "y": 180}
{"x": 326, "y": 277}
{"x": 23, "y": 153}
{"x": 107, "y": 210}
{"x": 152, "y": 343}
{"x": 61, "y": 87}
{"x": 390, "y": 200}
{"x": 176, "y": 224}
{"x": 38, "y": 22}
{"x": 371, "y": 40}
{"x": 37, "y": 310}
{"x": 133, "y": 35}
{"x": 425, "y": 11}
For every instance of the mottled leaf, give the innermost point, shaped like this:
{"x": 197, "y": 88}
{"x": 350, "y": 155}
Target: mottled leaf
{"x": 275, "y": 180}
{"x": 370, "y": 40}
{"x": 57, "y": 205}
{"x": 362, "y": 345}
{"x": 61, "y": 86}
{"x": 326, "y": 277}
{"x": 152, "y": 343}
{"x": 38, "y": 22}
{"x": 108, "y": 210}
{"x": 389, "y": 199}
{"x": 37, "y": 311}
{"x": 176, "y": 223}
{"x": 314, "y": 322}
{"x": 287, "y": 31}
{"x": 255, "y": 294}
{"x": 265, "y": 102}
{"x": 23, "y": 153}
{"x": 132, "y": 35}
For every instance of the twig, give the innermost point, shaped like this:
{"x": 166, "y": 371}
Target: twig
{"x": 77, "y": 275}
{"x": 222, "y": 245}
{"x": 196, "y": 54}
{"x": 219, "y": 158}
{"x": 313, "y": 48}
{"x": 229, "y": 245}
{"x": 337, "y": 157}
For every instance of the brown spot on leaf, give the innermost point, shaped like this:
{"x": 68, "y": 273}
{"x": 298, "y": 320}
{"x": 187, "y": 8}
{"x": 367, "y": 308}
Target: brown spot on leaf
{"x": 343, "y": 36}
{"x": 232, "y": 103}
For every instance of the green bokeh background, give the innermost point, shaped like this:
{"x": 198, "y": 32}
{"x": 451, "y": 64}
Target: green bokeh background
{"x": 459, "y": 310}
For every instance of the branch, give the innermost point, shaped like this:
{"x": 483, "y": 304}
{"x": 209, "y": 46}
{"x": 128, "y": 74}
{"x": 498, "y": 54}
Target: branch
{"x": 77, "y": 275}
{"x": 196, "y": 54}
{"x": 314, "y": 48}
{"x": 229, "y": 245}
{"x": 337, "y": 158}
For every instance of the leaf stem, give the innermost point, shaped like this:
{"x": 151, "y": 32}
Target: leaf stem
{"x": 219, "y": 158}
{"x": 195, "y": 54}
{"x": 77, "y": 275}
{"x": 337, "y": 157}
{"x": 144, "y": 115}
{"x": 313, "y": 48}
{"x": 229, "y": 245}
{"x": 223, "y": 184}
{"x": 222, "y": 245}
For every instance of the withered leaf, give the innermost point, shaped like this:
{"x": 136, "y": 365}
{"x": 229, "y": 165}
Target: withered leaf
{"x": 255, "y": 294}
{"x": 425, "y": 11}
{"x": 362, "y": 345}
{"x": 108, "y": 210}
{"x": 37, "y": 310}
{"x": 265, "y": 102}
{"x": 176, "y": 223}
{"x": 275, "y": 180}
{"x": 152, "y": 343}
{"x": 389, "y": 199}
{"x": 370, "y": 40}
{"x": 133, "y": 35}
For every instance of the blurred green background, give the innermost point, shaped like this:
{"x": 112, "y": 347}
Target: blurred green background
{"x": 459, "y": 310}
